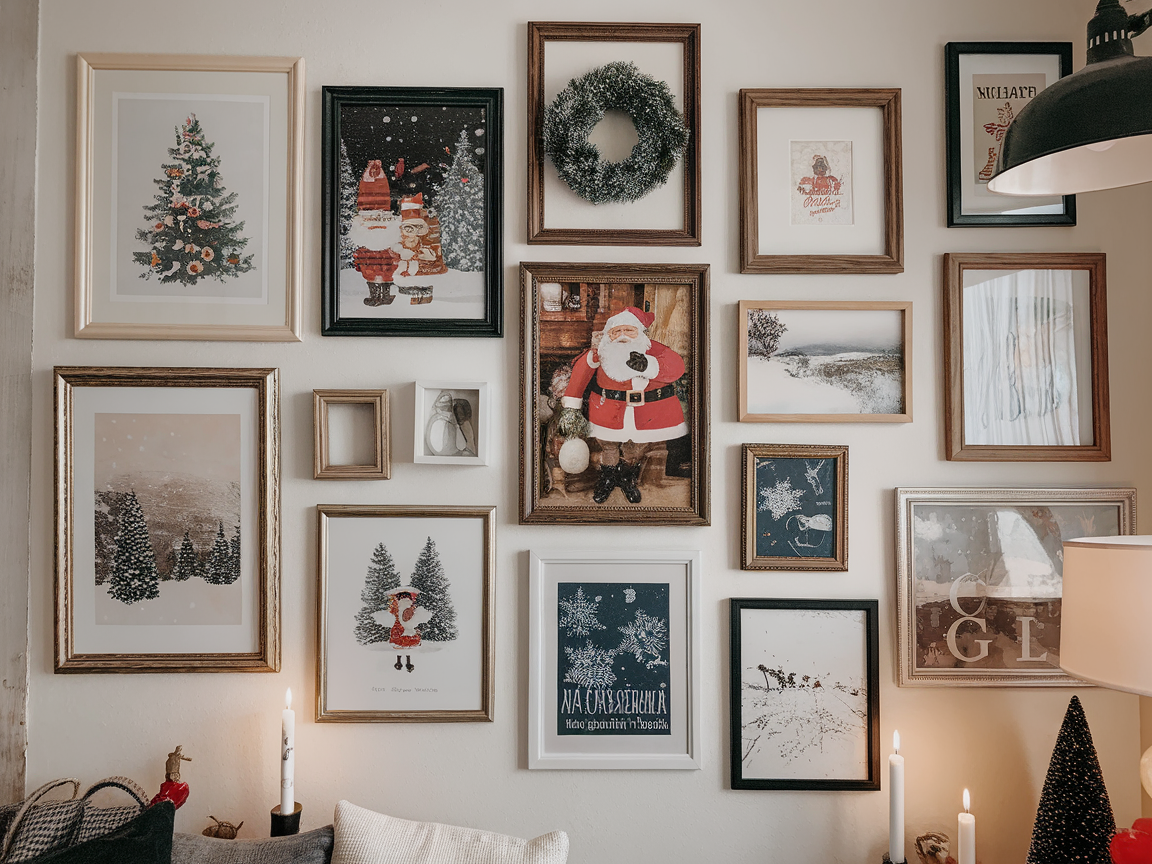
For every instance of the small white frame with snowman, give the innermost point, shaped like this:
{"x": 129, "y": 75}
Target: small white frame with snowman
{"x": 451, "y": 435}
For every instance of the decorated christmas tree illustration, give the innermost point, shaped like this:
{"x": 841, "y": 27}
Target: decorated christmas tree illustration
{"x": 349, "y": 189}
{"x": 428, "y": 578}
{"x": 1074, "y": 822}
{"x": 134, "y": 576}
{"x": 191, "y": 231}
{"x": 459, "y": 202}
{"x": 381, "y": 579}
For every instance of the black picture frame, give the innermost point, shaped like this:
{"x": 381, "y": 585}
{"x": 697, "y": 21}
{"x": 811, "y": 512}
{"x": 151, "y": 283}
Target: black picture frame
{"x": 954, "y": 125}
{"x": 871, "y": 732}
{"x": 490, "y": 163}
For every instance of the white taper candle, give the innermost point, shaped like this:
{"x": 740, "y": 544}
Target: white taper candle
{"x": 287, "y": 757}
{"x": 896, "y": 803}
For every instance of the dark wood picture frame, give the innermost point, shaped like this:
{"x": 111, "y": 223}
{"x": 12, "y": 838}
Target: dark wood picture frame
{"x": 887, "y": 101}
{"x": 837, "y": 560}
{"x": 954, "y": 125}
{"x": 870, "y": 608}
{"x": 955, "y": 446}
{"x": 688, "y": 35}
{"x": 491, "y": 99}
{"x": 590, "y": 279}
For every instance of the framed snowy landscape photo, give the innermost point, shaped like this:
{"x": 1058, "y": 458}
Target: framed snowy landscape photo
{"x": 188, "y": 197}
{"x": 404, "y": 615}
{"x": 1026, "y": 357}
{"x": 614, "y": 660}
{"x": 453, "y": 422}
{"x": 795, "y": 507}
{"x": 825, "y": 362}
{"x": 413, "y": 211}
{"x": 805, "y": 694}
{"x": 979, "y": 576}
{"x": 167, "y": 520}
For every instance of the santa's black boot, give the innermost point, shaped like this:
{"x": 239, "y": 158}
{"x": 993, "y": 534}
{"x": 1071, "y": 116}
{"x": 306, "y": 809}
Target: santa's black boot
{"x": 609, "y": 477}
{"x": 373, "y": 298}
{"x": 386, "y": 295}
{"x": 399, "y": 664}
{"x": 629, "y": 476}
{"x": 409, "y": 666}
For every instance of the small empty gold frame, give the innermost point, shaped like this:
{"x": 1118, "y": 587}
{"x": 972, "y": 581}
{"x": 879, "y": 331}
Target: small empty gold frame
{"x": 381, "y": 467}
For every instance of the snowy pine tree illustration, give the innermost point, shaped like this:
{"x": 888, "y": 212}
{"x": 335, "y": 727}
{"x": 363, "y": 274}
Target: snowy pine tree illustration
{"x": 780, "y": 499}
{"x": 460, "y": 206}
{"x": 646, "y": 639}
{"x": 578, "y": 614}
{"x": 382, "y": 578}
{"x": 429, "y": 579}
{"x": 349, "y": 188}
{"x": 134, "y": 576}
{"x": 590, "y": 666}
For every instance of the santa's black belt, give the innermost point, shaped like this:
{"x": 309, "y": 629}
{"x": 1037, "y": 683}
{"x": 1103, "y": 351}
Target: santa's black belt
{"x": 636, "y": 397}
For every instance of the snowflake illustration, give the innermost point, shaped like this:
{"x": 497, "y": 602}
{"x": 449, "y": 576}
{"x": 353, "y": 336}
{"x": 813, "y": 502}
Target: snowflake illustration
{"x": 781, "y": 499}
{"x": 646, "y": 639}
{"x": 579, "y": 614}
{"x": 590, "y": 666}
{"x": 629, "y": 595}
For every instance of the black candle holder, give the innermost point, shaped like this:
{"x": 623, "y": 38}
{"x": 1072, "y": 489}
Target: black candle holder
{"x": 283, "y": 826}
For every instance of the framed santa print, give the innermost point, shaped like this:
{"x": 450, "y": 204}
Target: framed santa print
{"x": 614, "y": 660}
{"x": 412, "y": 209}
{"x": 614, "y": 390}
{"x": 404, "y": 615}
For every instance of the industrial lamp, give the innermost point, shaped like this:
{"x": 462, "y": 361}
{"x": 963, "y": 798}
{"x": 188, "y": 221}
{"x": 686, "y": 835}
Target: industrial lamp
{"x": 1105, "y": 635}
{"x": 1091, "y": 130}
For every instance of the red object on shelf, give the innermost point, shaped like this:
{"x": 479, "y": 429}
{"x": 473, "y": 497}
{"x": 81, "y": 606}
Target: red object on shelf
{"x": 1133, "y": 845}
{"x": 171, "y": 790}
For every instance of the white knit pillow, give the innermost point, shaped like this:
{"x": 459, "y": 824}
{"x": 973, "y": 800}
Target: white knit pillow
{"x": 365, "y": 837}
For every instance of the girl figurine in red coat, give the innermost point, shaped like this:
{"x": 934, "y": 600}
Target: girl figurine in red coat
{"x": 406, "y": 617}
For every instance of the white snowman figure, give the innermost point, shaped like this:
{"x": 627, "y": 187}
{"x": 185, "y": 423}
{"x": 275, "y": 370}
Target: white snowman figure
{"x": 401, "y": 619}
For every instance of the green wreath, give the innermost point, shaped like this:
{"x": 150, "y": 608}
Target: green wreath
{"x": 581, "y": 105}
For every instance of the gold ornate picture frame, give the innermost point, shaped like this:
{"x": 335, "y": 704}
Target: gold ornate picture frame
{"x": 380, "y": 468}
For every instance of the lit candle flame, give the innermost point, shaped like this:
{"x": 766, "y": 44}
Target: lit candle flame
{"x": 967, "y": 801}
{"x": 896, "y": 741}
{"x": 288, "y": 699}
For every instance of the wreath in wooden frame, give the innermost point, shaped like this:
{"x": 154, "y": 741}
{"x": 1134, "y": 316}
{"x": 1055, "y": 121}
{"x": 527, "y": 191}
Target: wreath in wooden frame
{"x": 577, "y": 109}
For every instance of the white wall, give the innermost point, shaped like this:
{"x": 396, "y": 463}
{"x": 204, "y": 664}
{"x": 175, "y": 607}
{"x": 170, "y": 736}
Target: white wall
{"x": 997, "y": 742}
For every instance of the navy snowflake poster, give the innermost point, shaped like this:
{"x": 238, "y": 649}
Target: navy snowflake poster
{"x": 612, "y": 662}
{"x": 795, "y": 503}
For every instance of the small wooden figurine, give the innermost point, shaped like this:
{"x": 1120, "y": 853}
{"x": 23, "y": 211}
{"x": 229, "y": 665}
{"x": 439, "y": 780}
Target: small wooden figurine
{"x": 172, "y": 789}
{"x": 222, "y": 830}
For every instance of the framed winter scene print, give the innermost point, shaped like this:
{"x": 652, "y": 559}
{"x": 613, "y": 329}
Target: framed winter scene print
{"x": 986, "y": 84}
{"x": 795, "y": 507}
{"x": 979, "y": 580}
{"x": 613, "y": 134}
{"x": 821, "y": 181}
{"x": 188, "y": 197}
{"x": 1026, "y": 358}
{"x": 614, "y": 660}
{"x": 413, "y": 211}
{"x": 805, "y": 694}
{"x": 825, "y": 362}
{"x": 351, "y": 435}
{"x": 452, "y": 423}
{"x": 614, "y": 384}
{"x": 404, "y": 615}
{"x": 167, "y": 520}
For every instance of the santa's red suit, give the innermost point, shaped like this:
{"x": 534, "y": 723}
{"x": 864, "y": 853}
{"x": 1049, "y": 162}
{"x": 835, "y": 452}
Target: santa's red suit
{"x": 645, "y": 408}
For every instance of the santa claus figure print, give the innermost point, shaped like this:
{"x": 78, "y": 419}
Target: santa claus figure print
{"x": 402, "y": 619}
{"x": 632, "y": 402}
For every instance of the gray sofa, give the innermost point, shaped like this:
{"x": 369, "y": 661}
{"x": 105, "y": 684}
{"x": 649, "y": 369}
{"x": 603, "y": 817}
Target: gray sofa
{"x": 310, "y": 847}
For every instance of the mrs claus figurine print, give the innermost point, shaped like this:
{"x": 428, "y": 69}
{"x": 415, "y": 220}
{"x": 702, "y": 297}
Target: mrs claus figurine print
{"x": 402, "y": 618}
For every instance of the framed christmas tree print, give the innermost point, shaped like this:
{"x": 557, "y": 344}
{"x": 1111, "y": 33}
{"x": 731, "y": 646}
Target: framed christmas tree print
{"x": 188, "y": 197}
{"x": 404, "y": 616}
{"x": 167, "y": 520}
{"x": 412, "y": 181}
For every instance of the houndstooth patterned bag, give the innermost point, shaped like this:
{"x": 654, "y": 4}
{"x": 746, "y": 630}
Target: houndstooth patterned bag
{"x": 31, "y": 829}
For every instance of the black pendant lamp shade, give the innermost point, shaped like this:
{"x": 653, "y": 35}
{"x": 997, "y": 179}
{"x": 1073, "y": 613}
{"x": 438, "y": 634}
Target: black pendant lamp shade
{"x": 1091, "y": 130}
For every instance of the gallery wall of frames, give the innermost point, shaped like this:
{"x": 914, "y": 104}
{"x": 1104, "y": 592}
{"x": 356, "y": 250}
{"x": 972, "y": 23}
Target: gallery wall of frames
{"x": 506, "y": 386}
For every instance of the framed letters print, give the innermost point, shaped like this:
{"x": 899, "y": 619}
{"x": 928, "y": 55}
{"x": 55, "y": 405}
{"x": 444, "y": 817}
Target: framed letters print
{"x": 1026, "y": 358}
{"x": 820, "y": 181}
{"x": 404, "y": 615}
{"x": 795, "y": 507}
{"x": 978, "y": 580}
{"x": 453, "y": 419}
{"x": 614, "y": 390}
{"x": 825, "y": 362}
{"x": 412, "y": 211}
{"x": 188, "y": 197}
{"x": 614, "y": 660}
{"x": 986, "y": 85}
{"x": 559, "y": 55}
{"x": 805, "y": 694}
{"x": 167, "y": 520}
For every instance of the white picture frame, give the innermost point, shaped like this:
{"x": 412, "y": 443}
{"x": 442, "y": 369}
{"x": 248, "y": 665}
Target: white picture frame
{"x": 636, "y": 585}
{"x": 455, "y": 434}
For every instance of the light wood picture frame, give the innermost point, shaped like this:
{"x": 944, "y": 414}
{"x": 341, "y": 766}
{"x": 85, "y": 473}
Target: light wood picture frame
{"x": 795, "y": 507}
{"x": 821, "y": 188}
{"x": 452, "y": 423}
{"x": 182, "y": 467}
{"x": 437, "y": 624}
{"x": 381, "y": 466}
{"x": 979, "y": 580}
{"x": 815, "y": 361}
{"x": 1026, "y": 357}
{"x": 206, "y": 149}
{"x": 590, "y": 46}
{"x": 614, "y": 654}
